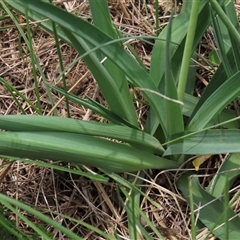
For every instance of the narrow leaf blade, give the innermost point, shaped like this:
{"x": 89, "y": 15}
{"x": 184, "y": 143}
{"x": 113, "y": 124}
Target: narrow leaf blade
{"x": 214, "y": 141}
{"x": 79, "y": 149}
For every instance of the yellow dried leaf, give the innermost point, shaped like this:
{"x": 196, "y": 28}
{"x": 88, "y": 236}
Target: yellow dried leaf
{"x": 198, "y": 161}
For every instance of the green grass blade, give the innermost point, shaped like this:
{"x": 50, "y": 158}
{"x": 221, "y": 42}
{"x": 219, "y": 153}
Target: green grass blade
{"x": 228, "y": 140}
{"x": 105, "y": 81}
{"x": 157, "y": 67}
{"x": 7, "y": 228}
{"x": 227, "y": 216}
{"x": 26, "y": 220}
{"x": 101, "y": 17}
{"x": 173, "y": 109}
{"x": 217, "y": 80}
{"x": 179, "y": 31}
{"x": 188, "y": 48}
{"x": 124, "y": 182}
{"x": 219, "y": 99}
{"x": 133, "y": 212}
{"x": 14, "y": 92}
{"x": 102, "y": 20}
{"x": 136, "y": 74}
{"x": 133, "y": 220}
{"x": 191, "y": 203}
{"x": 228, "y": 172}
{"x": 33, "y": 61}
{"x": 8, "y": 201}
{"x": 231, "y": 28}
{"x": 232, "y": 15}
{"x": 209, "y": 210}
{"x": 96, "y": 107}
{"x": 61, "y": 65}
{"x": 178, "y": 35}
{"x": 79, "y": 149}
{"x": 136, "y": 137}
{"x": 227, "y": 116}
{"x": 230, "y": 10}
{"x": 157, "y": 17}
{"x": 59, "y": 168}
{"x": 89, "y": 227}
{"x": 34, "y": 58}
{"x": 221, "y": 46}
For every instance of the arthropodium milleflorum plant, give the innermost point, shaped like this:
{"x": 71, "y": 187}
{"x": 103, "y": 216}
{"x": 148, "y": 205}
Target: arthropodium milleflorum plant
{"x": 178, "y": 124}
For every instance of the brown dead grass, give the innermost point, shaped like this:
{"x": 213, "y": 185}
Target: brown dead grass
{"x": 92, "y": 202}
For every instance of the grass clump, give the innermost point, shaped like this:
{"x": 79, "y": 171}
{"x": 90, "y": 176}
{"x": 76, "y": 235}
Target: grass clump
{"x": 118, "y": 118}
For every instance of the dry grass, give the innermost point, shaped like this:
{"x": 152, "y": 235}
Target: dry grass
{"x": 92, "y": 202}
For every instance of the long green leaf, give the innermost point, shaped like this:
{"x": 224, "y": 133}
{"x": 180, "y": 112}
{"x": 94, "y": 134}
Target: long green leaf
{"x": 9, "y": 229}
{"x": 229, "y": 25}
{"x": 217, "y": 80}
{"x": 214, "y": 141}
{"x": 178, "y": 35}
{"x": 102, "y": 20}
{"x": 220, "y": 75}
{"x": 192, "y": 26}
{"x": 57, "y": 124}
{"x": 209, "y": 210}
{"x": 25, "y": 207}
{"x": 37, "y": 229}
{"x": 105, "y": 81}
{"x": 94, "y": 37}
{"x": 190, "y": 103}
{"x": 79, "y": 149}
{"x": 61, "y": 168}
{"x": 220, "y": 38}
{"x": 173, "y": 109}
{"x": 228, "y": 171}
{"x": 232, "y": 15}
{"x": 22, "y": 33}
{"x": 94, "y": 106}
{"x": 229, "y": 90}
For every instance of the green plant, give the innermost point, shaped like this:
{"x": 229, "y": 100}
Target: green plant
{"x": 178, "y": 124}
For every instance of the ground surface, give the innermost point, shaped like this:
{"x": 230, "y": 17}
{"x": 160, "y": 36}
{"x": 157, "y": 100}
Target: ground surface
{"x": 92, "y": 202}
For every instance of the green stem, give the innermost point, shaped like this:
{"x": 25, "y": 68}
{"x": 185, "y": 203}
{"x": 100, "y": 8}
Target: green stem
{"x": 61, "y": 65}
{"x": 157, "y": 18}
{"x": 33, "y": 60}
{"x": 188, "y": 49}
{"x": 191, "y": 200}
